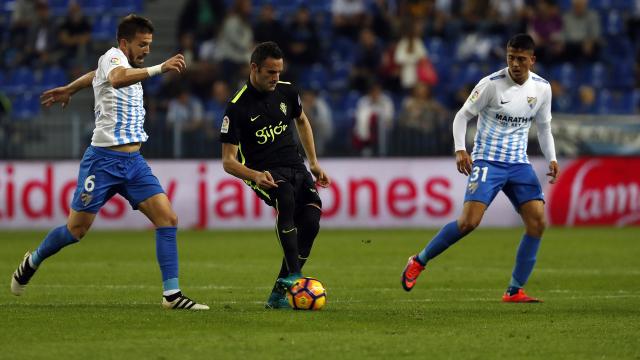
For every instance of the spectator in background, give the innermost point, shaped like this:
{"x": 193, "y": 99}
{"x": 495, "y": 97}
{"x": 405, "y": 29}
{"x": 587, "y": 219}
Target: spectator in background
{"x": 581, "y": 33}
{"x": 409, "y": 51}
{"x": 507, "y": 16}
{"x": 421, "y": 112}
{"x": 13, "y": 52}
{"x": 389, "y": 69}
{"x": 187, "y": 47}
{"x": 545, "y": 27}
{"x": 349, "y": 16}
{"x": 320, "y": 118}
{"x": 42, "y": 43}
{"x": 562, "y": 101}
{"x": 217, "y": 102}
{"x": 434, "y": 21}
{"x": 185, "y": 119}
{"x": 374, "y": 118}
{"x": 382, "y": 18}
{"x": 367, "y": 61}
{"x": 75, "y": 38}
{"x": 268, "y": 27}
{"x": 301, "y": 46}
{"x": 235, "y": 41}
{"x": 202, "y": 18}
{"x": 586, "y": 100}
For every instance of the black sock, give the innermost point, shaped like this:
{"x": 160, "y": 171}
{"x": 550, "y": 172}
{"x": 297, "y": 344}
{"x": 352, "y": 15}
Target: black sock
{"x": 308, "y": 224}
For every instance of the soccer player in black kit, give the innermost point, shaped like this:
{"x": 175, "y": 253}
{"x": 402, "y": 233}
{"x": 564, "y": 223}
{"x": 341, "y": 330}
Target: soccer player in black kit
{"x": 258, "y": 146}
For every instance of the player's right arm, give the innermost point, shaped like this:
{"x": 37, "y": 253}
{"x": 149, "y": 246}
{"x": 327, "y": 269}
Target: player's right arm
{"x": 232, "y": 166}
{"x": 479, "y": 98}
{"x": 63, "y": 94}
{"x": 121, "y": 77}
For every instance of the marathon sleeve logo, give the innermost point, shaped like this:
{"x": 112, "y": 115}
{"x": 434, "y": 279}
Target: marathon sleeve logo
{"x": 114, "y": 61}
{"x": 225, "y": 125}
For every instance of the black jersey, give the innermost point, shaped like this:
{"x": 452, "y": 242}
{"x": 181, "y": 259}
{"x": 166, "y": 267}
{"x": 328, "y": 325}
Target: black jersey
{"x": 261, "y": 124}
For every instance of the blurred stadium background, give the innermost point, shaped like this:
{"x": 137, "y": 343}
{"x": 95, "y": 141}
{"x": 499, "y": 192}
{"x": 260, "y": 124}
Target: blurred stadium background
{"x": 381, "y": 81}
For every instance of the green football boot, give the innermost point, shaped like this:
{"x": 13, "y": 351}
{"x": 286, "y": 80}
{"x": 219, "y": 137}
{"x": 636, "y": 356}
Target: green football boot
{"x": 277, "y": 300}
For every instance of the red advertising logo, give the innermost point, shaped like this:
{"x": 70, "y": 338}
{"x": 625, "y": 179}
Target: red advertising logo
{"x": 597, "y": 191}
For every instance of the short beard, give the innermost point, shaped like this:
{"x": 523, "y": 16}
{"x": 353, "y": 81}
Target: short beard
{"x": 132, "y": 61}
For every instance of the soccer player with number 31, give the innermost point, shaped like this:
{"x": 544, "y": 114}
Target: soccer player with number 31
{"x": 506, "y": 103}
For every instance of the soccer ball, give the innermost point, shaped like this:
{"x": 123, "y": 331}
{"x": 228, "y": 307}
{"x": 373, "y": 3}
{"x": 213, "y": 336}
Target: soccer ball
{"x": 307, "y": 294}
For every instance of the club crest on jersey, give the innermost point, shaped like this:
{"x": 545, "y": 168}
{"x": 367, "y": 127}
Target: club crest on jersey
{"x": 283, "y": 108}
{"x": 532, "y": 101}
{"x": 225, "y": 125}
{"x": 86, "y": 198}
{"x": 474, "y": 96}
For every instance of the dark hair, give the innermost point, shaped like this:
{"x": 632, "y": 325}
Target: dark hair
{"x": 133, "y": 24}
{"x": 265, "y": 50}
{"x": 522, "y": 42}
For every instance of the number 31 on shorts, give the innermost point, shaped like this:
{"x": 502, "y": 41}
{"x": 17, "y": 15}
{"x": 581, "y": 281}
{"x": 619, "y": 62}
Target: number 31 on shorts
{"x": 476, "y": 172}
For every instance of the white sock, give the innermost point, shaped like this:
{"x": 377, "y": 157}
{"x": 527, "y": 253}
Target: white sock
{"x": 170, "y": 292}
{"x": 31, "y": 263}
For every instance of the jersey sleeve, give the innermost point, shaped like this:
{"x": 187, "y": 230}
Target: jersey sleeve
{"x": 296, "y": 102}
{"x": 229, "y": 128}
{"x": 480, "y": 97}
{"x": 112, "y": 60}
{"x": 544, "y": 113}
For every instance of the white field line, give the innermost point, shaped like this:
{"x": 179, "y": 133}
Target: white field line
{"x": 347, "y": 301}
{"x": 373, "y": 289}
{"x": 378, "y": 267}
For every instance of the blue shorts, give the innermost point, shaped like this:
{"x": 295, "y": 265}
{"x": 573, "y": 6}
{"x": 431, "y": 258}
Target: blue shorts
{"x": 104, "y": 173}
{"x": 518, "y": 181}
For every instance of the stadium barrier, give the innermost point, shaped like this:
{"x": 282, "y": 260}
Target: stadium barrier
{"x": 378, "y": 193}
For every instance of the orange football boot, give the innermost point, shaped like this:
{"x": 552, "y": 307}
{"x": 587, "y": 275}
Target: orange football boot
{"x": 519, "y": 297}
{"x": 411, "y": 273}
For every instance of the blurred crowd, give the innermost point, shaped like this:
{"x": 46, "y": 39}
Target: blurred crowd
{"x": 376, "y": 77}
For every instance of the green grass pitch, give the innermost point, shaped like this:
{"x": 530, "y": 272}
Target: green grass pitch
{"x": 100, "y": 299}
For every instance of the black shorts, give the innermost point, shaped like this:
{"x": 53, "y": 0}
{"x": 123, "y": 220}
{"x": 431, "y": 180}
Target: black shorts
{"x": 304, "y": 188}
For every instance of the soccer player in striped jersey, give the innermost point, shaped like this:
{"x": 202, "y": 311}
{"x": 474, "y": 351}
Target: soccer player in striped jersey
{"x": 506, "y": 102}
{"x": 113, "y": 163}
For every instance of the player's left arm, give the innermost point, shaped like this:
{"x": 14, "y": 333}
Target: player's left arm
{"x": 63, "y": 94}
{"x": 545, "y": 138}
{"x": 306, "y": 138}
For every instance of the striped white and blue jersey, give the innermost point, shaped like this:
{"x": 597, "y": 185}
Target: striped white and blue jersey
{"x": 120, "y": 112}
{"x": 505, "y": 112}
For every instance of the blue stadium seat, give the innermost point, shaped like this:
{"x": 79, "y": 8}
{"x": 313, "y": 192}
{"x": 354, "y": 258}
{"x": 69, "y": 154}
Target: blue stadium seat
{"x": 125, "y": 7}
{"x": 314, "y": 77}
{"x": 439, "y": 51}
{"x": 58, "y": 7}
{"x": 624, "y": 5}
{"x": 152, "y": 85}
{"x": 565, "y": 74}
{"x": 26, "y": 106}
{"x": 596, "y": 75}
{"x": 342, "y": 50}
{"x": 95, "y": 7}
{"x": 616, "y": 102}
{"x": 53, "y": 77}
{"x": 612, "y": 23}
{"x": 339, "y": 76}
{"x": 19, "y": 80}
{"x": 623, "y": 76}
{"x": 104, "y": 28}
